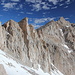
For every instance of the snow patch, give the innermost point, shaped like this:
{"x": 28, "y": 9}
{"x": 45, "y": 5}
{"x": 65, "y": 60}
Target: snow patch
{"x": 69, "y": 51}
{"x": 61, "y": 32}
{"x": 11, "y": 66}
{"x": 15, "y": 68}
{"x": 7, "y": 33}
{"x": 65, "y": 46}
{"x": 67, "y": 26}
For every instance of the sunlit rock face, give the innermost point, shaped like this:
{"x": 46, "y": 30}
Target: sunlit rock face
{"x": 53, "y": 43}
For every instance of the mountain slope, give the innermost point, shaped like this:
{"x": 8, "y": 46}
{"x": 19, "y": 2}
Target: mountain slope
{"x": 13, "y": 67}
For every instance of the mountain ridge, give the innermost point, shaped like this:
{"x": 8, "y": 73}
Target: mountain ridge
{"x": 53, "y": 43}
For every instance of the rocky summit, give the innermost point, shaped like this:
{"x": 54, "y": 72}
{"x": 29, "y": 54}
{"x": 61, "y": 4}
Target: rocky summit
{"x": 51, "y": 46}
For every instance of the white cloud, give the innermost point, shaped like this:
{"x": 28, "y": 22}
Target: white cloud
{"x": 36, "y": 7}
{"x": 9, "y": 5}
{"x": 68, "y": 0}
{"x": 15, "y": 0}
{"x": 21, "y": 6}
{"x": 61, "y": 0}
{"x": 1, "y": 15}
{"x": 37, "y": 26}
{"x": 43, "y": 2}
{"x": 18, "y": 14}
{"x": 54, "y": 7}
{"x": 40, "y": 6}
{"x": 29, "y": 13}
{"x": 66, "y": 7}
{"x": 5, "y": 9}
{"x": 45, "y": 7}
{"x": 39, "y": 1}
{"x": 42, "y": 20}
{"x": 2, "y": 1}
{"x": 61, "y": 4}
{"x": 17, "y": 8}
{"x": 54, "y": 1}
{"x": 39, "y": 22}
{"x": 34, "y": 1}
{"x": 66, "y": 18}
{"x": 22, "y": 12}
{"x": 44, "y": 12}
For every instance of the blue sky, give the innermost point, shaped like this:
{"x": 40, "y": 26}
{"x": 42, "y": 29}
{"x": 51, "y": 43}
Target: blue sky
{"x": 39, "y": 12}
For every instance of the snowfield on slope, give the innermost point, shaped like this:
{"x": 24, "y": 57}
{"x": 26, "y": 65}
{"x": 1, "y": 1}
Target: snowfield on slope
{"x": 15, "y": 68}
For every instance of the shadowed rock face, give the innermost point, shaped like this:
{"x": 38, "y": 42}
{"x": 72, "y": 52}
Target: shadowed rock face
{"x": 2, "y": 70}
{"x": 51, "y": 43}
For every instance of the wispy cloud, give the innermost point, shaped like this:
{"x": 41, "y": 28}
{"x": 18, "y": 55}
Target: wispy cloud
{"x": 1, "y": 15}
{"x": 42, "y": 20}
{"x": 34, "y": 1}
{"x": 20, "y": 5}
{"x": 68, "y": 1}
{"x": 15, "y": 0}
{"x": 9, "y": 5}
{"x": 29, "y": 13}
{"x": 66, "y": 18}
{"x": 37, "y": 26}
{"x": 66, "y": 7}
{"x": 46, "y": 7}
{"x": 54, "y": 1}
{"x": 22, "y": 12}
{"x": 54, "y": 7}
{"x": 2, "y": 1}
{"x": 61, "y": 4}
{"x": 38, "y": 5}
{"x": 5, "y": 9}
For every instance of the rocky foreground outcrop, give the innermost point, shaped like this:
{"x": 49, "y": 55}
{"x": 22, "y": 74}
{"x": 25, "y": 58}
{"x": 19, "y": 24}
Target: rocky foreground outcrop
{"x": 2, "y": 70}
{"x": 51, "y": 44}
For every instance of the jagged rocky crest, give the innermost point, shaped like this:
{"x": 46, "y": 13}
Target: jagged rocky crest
{"x": 53, "y": 43}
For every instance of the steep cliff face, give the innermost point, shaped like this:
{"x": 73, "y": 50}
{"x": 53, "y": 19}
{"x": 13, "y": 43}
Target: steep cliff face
{"x": 59, "y": 35}
{"x": 51, "y": 44}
